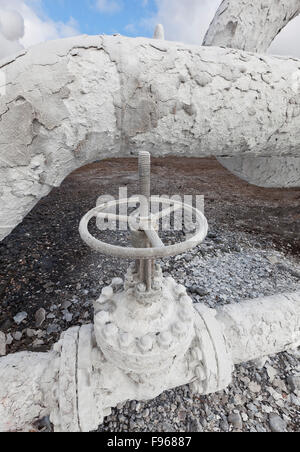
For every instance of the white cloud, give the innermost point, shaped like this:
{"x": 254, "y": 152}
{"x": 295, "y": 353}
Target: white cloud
{"x": 185, "y": 20}
{"x": 11, "y": 30}
{"x": 109, "y": 6}
{"x": 23, "y": 23}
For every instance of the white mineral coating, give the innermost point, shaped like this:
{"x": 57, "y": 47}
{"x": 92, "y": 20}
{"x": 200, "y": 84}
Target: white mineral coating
{"x": 253, "y": 26}
{"x": 26, "y": 379}
{"x": 73, "y": 101}
{"x": 159, "y": 32}
{"x": 261, "y": 327}
{"x": 77, "y": 386}
{"x": 250, "y": 25}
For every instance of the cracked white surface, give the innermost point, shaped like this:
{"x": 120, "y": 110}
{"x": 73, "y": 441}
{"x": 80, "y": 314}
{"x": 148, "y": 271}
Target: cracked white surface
{"x": 78, "y": 386}
{"x": 253, "y": 26}
{"x": 77, "y": 100}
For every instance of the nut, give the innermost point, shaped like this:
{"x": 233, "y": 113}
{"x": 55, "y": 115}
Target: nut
{"x": 141, "y": 288}
{"x": 126, "y": 340}
{"x": 178, "y": 329}
{"x": 180, "y": 290}
{"x": 185, "y": 314}
{"x": 102, "y": 317}
{"x": 107, "y": 292}
{"x": 117, "y": 284}
{"x": 110, "y": 331}
{"x": 165, "y": 339}
{"x": 146, "y": 343}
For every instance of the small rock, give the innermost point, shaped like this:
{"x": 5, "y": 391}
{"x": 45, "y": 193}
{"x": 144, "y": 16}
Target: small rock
{"x": 19, "y": 318}
{"x": 53, "y": 329}
{"x": 254, "y": 387}
{"x": 277, "y": 424}
{"x": 30, "y": 333}
{"x": 273, "y": 260}
{"x": 68, "y": 316}
{"x": 272, "y": 373}
{"x": 9, "y": 339}
{"x": 18, "y": 335}
{"x": 294, "y": 383}
{"x": 51, "y": 316}
{"x": 40, "y": 334}
{"x": 194, "y": 425}
{"x": 37, "y": 343}
{"x": 235, "y": 420}
{"x": 40, "y": 317}
{"x": 66, "y": 304}
{"x": 2, "y": 344}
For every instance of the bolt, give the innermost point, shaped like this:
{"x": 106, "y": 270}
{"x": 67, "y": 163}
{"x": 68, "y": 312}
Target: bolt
{"x": 185, "y": 314}
{"x": 110, "y": 331}
{"x": 126, "y": 340}
{"x": 178, "y": 329}
{"x": 146, "y": 343}
{"x": 107, "y": 292}
{"x": 57, "y": 347}
{"x": 165, "y": 339}
{"x": 117, "y": 283}
{"x": 180, "y": 290}
{"x": 141, "y": 288}
{"x": 102, "y": 317}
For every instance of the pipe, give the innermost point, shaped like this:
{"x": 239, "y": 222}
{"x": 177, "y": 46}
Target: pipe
{"x": 261, "y": 327}
{"x": 78, "y": 383}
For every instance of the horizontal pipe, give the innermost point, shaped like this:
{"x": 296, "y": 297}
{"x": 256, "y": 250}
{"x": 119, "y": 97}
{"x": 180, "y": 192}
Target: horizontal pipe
{"x": 264, "y": 326}
{"x": 78, "y": 386}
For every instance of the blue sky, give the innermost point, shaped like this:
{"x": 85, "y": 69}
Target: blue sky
{"x": 129, "y": 19}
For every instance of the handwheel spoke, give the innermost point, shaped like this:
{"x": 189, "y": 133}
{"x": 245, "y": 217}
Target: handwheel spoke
{"x": 154, "y": 238}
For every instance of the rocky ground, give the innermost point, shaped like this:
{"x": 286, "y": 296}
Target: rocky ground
{"x": 49, "y": 280}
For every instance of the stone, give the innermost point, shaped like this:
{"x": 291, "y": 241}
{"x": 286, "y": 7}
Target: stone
{"x": 272, "y": 373}
{"x": 294, "y": 382}
{"x": 30, "y": 333}
{"x": 53, "y": 329}
{"x": 20, "y": 317}
{"x": 40, "y": 317}
{"x": 235, "y": 420}
{"x": 277, "y": 424}
{"x": 18, "y": 335}
{"x": 9, "y": 339}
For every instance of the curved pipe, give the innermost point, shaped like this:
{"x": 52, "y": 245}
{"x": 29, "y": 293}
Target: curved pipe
{"x": 78, "y": 386}
{"x": 252, "y": 26}
{"x": 66, "y": 119}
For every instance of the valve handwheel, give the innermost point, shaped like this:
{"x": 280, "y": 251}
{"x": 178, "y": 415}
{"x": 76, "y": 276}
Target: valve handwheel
{"x": 142, "y": 221}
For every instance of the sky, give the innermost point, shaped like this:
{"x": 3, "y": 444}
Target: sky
{"x": 27, "y": 22}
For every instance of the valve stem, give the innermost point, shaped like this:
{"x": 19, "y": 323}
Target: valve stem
{"x": 145, "y": 266}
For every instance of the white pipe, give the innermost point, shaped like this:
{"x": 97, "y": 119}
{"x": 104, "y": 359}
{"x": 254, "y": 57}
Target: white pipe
{"x": 261, "y": 327}
{"x": 77, "y": 385}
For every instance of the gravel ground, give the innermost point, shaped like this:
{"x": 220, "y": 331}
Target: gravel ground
{"x": 49, "y": 279}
